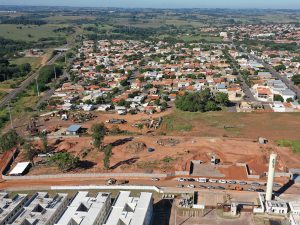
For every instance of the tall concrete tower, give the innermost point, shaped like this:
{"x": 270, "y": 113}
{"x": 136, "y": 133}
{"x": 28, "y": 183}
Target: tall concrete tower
{"x": 271, "y": 175}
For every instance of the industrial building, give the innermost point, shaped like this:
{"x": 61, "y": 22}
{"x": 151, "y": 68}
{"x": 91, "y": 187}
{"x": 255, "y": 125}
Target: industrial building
{"x": 40, "y": 209}
{"x": 130, "y": 210}
{"x": 10, "y": 206}
{"x": 86, "y": 210}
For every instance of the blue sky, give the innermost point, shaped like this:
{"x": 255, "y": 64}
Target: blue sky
{"x": 291, "y": 4}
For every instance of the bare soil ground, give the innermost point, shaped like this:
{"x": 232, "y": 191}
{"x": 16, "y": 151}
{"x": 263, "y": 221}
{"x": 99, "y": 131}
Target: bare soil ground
{"x": 169, "y": 158}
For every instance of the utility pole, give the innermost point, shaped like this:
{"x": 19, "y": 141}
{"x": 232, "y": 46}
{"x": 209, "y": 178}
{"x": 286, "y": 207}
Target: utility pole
{"x": 37, "y": 87}
{"x": 10, "y": 117}
{"x": 54, "y": 71}
{"x": 175, "y": 222}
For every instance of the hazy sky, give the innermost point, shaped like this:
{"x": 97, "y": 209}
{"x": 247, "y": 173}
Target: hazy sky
{"x": 291, "y": 4}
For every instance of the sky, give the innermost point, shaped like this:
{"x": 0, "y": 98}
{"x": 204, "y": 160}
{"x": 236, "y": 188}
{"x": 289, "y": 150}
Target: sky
{"x": 282, "y": 4}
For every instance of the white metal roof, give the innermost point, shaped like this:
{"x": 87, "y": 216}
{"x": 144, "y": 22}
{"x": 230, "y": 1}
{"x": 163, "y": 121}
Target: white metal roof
{"x": 19, "y": 168}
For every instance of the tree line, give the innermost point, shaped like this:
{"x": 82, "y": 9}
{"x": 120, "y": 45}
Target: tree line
{"x": 10, "y": 71}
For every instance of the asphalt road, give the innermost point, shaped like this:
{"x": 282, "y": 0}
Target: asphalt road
{"x": 11, "y": 95}
{"x": 277, "y": 75}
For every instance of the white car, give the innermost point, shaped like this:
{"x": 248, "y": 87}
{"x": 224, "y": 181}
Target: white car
{"x": 181, "y": 179}
{"x": 222, "y": 181}
{"x": 202, "y": 180}
{"x": 191, "y": 186}
{"x": 212, "y": 180}
{"x": 155, "y": 179}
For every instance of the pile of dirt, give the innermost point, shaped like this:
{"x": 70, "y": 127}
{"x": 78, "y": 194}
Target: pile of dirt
{"x": 64, "y": 146}
{"x": 169, "y": 142}
{"x": 136, "y": 146}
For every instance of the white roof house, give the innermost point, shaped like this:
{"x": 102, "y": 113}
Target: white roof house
{"x": 86, "y": 210}
{"x": 129, "y": 210}
{"x": 20, "y": 168}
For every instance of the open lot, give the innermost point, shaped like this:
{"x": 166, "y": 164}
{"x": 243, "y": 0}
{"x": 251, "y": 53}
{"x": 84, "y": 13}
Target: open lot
{"x": 247, "y": 125}
{"x": 127, "y": 158}
{"x": 28, "y": 32}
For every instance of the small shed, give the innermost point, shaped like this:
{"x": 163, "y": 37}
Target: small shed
{"x": 262, "y": 140}
{"x": 20, "y": 169}
{"x": 73, "y": 129}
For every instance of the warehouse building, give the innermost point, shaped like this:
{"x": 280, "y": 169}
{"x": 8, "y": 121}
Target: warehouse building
{"x": 130, "y": 210}
{"x": 86, "y": 210}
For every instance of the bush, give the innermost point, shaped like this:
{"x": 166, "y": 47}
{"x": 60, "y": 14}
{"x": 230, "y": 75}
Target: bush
{"x": 65, "y": 161}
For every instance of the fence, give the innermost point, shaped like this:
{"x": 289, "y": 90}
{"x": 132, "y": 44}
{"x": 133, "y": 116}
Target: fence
{"x": 112, "y": 187}
{"x": 85, "y": 175}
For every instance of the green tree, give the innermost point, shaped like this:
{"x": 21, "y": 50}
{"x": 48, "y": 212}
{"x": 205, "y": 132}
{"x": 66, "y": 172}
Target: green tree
{"x": 280, "y": 67}
{"x": 211, "y": 106}
{"x": 44, "y": 140}
{"x": 296, "y": 79}
{"x": 30, "y": 152}
{"x": 107, "y": 154}
{"x": 196, "y": 102}
{"x": 9, "y": 140}
{"x": 98, "y": 133}
{"x": 278, "y": 98}
{"x": 65, "y": 161}
{"x": 222, "y": 98}
{"x": 290, "y": 100}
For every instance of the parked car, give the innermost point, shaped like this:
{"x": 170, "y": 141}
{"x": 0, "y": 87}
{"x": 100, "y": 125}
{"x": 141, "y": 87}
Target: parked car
{"x": 210, "y": 187}
{"x": 181, "y": 179}
{"x": 220, "y": 188}
{"x": 255, "y": 184}
{"x": 179, "y": 185}
{"x": 242, "y": 182}
{"x": 222, "y": 181}
{"x": 260, "y": 190}
{"x": 191, "y": 179}
{"x": 213, "y": 180}
{"x": 202, "y": 186}
{"x": 202, "y": 180}
{"x": 231, "y": 182}
{"x": 155, "y": 179}
{"x": 191, "y": 186}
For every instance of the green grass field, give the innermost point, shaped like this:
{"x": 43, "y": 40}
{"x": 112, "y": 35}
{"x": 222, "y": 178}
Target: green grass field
{"x": 29, "y": 32}
{"x": 227, "y": 124}
{"x": 294, "y": 145}
{"x": 33, "y": 61}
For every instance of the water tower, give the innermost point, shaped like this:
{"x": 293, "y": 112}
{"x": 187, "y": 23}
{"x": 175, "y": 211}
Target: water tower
{"x": 271, "y": 175}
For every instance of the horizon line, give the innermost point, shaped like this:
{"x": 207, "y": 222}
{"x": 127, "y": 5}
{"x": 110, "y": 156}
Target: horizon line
{"x": 162, "y": 8}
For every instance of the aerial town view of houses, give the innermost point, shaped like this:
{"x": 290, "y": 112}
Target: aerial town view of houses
{"x": 116, "y": 116}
